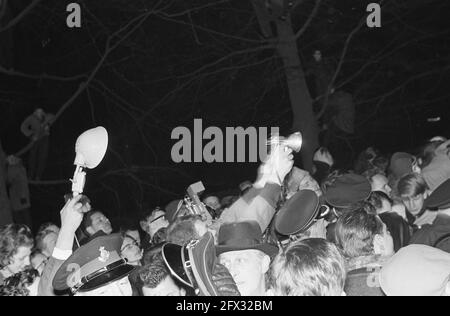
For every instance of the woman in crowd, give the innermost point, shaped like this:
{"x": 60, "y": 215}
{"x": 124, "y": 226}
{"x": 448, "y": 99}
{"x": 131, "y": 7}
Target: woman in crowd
{"x": 363, "y": 229}
{"x": 16, "y": 243}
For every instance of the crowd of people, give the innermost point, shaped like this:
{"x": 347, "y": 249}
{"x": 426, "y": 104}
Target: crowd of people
{"x": 380, "y": 229}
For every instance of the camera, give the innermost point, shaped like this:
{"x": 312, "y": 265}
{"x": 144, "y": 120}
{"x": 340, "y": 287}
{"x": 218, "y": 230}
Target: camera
{"x": 192, "y": 205}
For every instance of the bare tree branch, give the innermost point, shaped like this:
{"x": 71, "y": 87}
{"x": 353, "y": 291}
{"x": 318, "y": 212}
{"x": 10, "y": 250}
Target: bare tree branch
{"x": 4, "y": 6}
{"x": 43, "y": 76}
{"x": 341, "y": 62}
{"x": 20, "y": 16}
{"x": 189, "y": 11}
{"x": 405, "y": 83}
{"x": 108, "y": 50}
{"x": 164, "y": 16}
{"x": 310, "y": 19}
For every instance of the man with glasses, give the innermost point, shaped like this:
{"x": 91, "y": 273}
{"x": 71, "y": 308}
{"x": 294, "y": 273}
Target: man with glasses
{"x": 131, "y": 249}
{"x": 154, "y": 224}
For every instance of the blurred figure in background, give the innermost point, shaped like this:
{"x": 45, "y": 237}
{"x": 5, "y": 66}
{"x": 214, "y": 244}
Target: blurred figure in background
{"x": 19, "y": 194}
{"x": 37, "y": 128}
{"x": 5, "y": 206}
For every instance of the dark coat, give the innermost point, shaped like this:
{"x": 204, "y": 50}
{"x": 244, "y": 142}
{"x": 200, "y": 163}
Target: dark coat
{"x": 430, "y": 234}
{"x": 363, "y": 276}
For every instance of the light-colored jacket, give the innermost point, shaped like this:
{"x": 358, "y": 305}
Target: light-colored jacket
{"x": 256, "y": 205}
{"x": 46, "y": 283}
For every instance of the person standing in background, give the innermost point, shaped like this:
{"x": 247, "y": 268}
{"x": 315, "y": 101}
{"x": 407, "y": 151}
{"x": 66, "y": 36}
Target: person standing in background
{"x": 19, "y": 193}
{"x": 5, "y": 206}
{"x": 37, "y": 128}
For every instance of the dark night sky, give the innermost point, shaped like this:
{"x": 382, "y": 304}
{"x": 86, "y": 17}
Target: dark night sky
{"x": 161, "y": 65}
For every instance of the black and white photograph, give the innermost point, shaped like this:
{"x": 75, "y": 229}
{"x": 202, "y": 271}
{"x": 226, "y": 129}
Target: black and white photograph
{"x": 238, "y": 149}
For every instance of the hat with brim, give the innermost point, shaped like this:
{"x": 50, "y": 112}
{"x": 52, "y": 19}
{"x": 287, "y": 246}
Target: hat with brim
{"x": 175, "y": 257}
{"x": 298, "y": 213}
{"x": 171, "y": 210}
{"x": 96, "y": 264}
{"x": 347, "y": 190}
{"x": 193, "y": 264}
{"x": 243, "y": 236}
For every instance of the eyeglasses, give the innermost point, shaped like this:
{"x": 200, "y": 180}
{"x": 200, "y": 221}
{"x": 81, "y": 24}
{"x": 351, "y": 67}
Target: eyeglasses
{"x": 134, "y": 243}
{"x": 157, "y": 218}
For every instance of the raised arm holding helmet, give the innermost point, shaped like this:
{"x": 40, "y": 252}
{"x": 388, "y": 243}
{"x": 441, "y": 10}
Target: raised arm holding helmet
{"x": 71, "y": 218}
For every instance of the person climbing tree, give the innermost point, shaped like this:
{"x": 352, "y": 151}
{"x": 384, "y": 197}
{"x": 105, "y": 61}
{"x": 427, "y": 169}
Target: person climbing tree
{"x": 37, "y": 128}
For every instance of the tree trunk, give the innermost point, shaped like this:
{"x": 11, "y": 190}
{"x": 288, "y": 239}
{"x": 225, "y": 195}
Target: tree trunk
{"x": 304, "y": 119}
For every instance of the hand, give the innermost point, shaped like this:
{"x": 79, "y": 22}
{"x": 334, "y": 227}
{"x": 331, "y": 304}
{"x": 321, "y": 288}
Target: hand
{"x": 323, "y": 155}
{"x": 72, "y": 213}
{"x": 278, "y": 165}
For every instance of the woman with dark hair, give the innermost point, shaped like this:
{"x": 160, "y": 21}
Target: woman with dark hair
{"x": 16, "y": 242}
